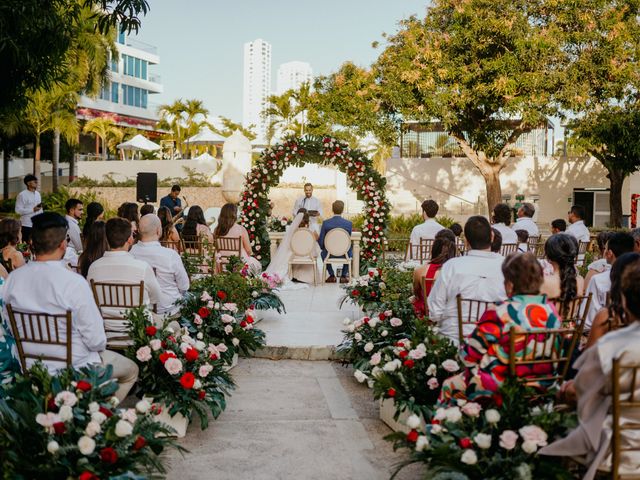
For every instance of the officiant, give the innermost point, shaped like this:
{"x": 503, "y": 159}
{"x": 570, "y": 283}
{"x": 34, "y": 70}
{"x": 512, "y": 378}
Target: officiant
{"x": 311, "y": 204}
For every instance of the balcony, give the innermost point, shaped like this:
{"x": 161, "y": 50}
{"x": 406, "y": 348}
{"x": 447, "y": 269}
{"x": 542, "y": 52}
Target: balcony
{"x": 145, "y": 47}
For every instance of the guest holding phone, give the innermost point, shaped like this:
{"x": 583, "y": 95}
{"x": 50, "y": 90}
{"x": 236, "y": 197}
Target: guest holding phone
{"x": 28, "y": 204}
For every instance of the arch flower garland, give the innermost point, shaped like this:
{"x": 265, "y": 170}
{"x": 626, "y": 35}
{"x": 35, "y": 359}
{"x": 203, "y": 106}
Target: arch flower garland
{"x": 362, "y": 177}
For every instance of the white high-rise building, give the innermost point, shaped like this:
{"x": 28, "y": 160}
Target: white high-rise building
{"x": 293, "y": 74}
{"x": 256, "y": 86}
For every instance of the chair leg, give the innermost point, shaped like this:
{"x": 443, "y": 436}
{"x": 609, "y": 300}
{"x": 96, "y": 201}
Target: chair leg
{"x": 290, "y": 271}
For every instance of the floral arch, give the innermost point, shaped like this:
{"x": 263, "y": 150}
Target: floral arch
{"x": 327, "y": 151}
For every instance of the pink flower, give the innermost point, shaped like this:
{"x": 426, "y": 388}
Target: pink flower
{"x": 144, "y": 354}
{"x": 534, "y": 434}
{"x": 471, "y": 409}
{"x": 232, "y": 307}
{"x": 197, "y": 319}
{"x": 508, "y": 439}
{"x": 228, "y": 329}
{"x": 48, "y": 420}
{"x": 205, "y": 297}
{"x": 173, "y": 366}
{"x": 227, "y": 318}
{"x": 375, "y": 358}
{"x": 205, "y": 370}
{"x": 129, "y": 415}
{"x": 395, "y": 322}
{"x": 222, "y": 348}
{"x": 432, "y": 383}
{"x": 450, "y": 365}
{"x": 155, "y": 344}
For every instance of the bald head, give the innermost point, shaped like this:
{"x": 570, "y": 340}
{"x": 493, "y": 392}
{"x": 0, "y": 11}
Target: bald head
{"x": 150, "y": 228}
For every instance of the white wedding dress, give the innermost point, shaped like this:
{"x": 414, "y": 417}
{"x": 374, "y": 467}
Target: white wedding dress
{"x": 280, "y": 262}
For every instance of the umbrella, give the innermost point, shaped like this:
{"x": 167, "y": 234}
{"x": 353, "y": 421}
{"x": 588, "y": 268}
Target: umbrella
{"x": 137, "y": 144}
{"x": 206, "y": 157}
{"x": 205, "y": 137}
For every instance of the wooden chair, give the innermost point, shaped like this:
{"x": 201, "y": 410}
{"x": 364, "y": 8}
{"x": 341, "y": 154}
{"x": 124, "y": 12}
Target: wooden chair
{"x": 227, "y": 247}
{"x": 411, "y": 251}
{"x": 574, "y": 313}
{"x": 508, "y": 249}
{"x": 582, "y": 250}
{"x": 302, "y": 246}
{"x": 625, "y": 382}
{"x": 532, "y": 242}
{"x": 337, "y": 243}
{"x": 424, "y": 249}
{"x": 113, "y": 300}
{"x": 538, "y": 250}
{"x": 194, "y": 245}
{"x": 41, "y": 329}
{"x": 471, "y": 314}
{"x": 461, "y": 246}
{"x": 177, "y": 245}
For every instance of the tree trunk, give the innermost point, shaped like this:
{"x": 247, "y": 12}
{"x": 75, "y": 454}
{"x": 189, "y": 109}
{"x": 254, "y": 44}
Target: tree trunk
{"x": 494, "y": 189}
{"x": 36, "y": 158}
{"x": 72, "y": 168}
{"x": 97, "y": 145}
{"x": 104, "y": 147}
{"x": 5, "y": 177}
{"x": 616, "y": 179}
{"x": 55, "y": 160}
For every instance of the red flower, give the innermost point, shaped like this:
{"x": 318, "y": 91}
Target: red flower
{"x": 59, "y": 428}
{"x": 498, "y": 399}
{"x": 355, "y": 293}
{"x": 191, "y": 354}
{"x": 301, "y": 152}
{"x": 371, "y": 274}
{"x": 465, "y": 442}
{"x": 403, "y": 354}
{"x": 139, "y": 443}
{"x": 382, "y": 316}
{"x": 51, "y": 404}
{"x": 202, "y": 394}
{"x": 366, "y": 319}
{"x": 409, "y": 363}
{"x": 221, "y": 295}
{"x": 213, "y": 356}
{"x": 243, "y": 324}
{"x": 86, "y": 475}
{"x": 250, "y": 319}
{"x": 373, "y": 294}
{"x": 156, "y": 409}
{"x": 108, "y": 455}
{"x": 412, "y": 436}
{"x": 187, "y": 380}
{"x": 204, "y": 312}
{"x": 164, "y": 356}
{"x": 391, "y": 392}
{"x": 151, "y": 330}
{"x": 83, "y": 385}
{"x": 105, "y": 411}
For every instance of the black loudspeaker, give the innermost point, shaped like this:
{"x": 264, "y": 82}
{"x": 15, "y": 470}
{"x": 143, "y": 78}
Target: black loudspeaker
{"x": 147, "y": 187}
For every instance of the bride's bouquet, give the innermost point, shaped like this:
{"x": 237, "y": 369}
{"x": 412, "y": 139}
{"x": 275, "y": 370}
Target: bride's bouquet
{"x": 279, "y": 224}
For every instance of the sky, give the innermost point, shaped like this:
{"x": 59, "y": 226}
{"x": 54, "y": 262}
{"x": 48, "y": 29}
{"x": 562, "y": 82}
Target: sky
{"x": 200, "y": 42}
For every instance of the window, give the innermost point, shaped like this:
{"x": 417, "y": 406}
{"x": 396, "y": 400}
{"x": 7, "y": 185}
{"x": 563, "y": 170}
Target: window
{"x": 104, "y": 92}
{"x": 114, "y": 65}
{"x": 121, "y": 38}
{"x": 143, "y": 99}
{"x": 130, "y": 99}
{"x": 136, "y": 96}
{"x": 137, "y": 65}
{"x": 114, "y": 92}
{"x": 144, "y": 70}
{"x": 130, "y": 63}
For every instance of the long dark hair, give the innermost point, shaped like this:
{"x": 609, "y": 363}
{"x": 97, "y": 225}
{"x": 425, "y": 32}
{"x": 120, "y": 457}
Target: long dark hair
{"x": 444, "y": 247}
{"x": 129, "y": 211}
{"x": 94, "y": 210}
{"x": 616, "y": 309}
{"x": 562, "y": 249}
{"x": 9, "y": 232}
{"x": 95, "y": 244}
{"x": 226, "y": 220}
{"x": 167, "y": 222}
{"x": 195, "y": 217}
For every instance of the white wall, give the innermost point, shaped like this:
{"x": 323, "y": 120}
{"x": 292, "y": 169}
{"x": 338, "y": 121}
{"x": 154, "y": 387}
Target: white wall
{"x": 122, "y": 170}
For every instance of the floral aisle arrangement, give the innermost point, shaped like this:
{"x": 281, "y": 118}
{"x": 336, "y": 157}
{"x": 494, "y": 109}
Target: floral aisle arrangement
{"x": 493, "y": 442}
{"x": 278, "y": 224}
{"x": 362, "y": 177}
{"x": 69, "y": 426}
{"x": 182, "y": 372}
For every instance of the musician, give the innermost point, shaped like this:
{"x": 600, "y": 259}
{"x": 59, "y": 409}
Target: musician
{"x": 173, "y": 203}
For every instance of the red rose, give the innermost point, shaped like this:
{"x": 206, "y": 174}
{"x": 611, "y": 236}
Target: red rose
{"x": 373, "y": 294}
{"x": 213, "y": 356}
{"x": 409, "y": 363}
{"x": 164, "y": 356}
{"x": 366, "y": 319}
{"x": 382, "y": 316}
{"x": 51, "y": 404}
{"x": 59, "y": 428}
{"x": 221, "y": 295}
{"x": 191, "y": 354}
{"x": 163, "y": 344}
{"x": 202, "y": 394}
{"x": 204, "y": 312}
{"x": 83, "y": 385}
{"x": 249, "y": 319}
{"x": 465, "y": 442}
{"x": 412, "y": 436}
{"x": 108, "y": 455}
{"x": 497, "y": 398}
{"x": 243, "y": 324}
{"x": 371, "y": 274}
{"x": 88, "y": 476}
{"x": 391, "y": 392}
{"x": 187, "y": 380}
{"x": 403, "y": 354}
{"x": 105, "y": 411}
{"x": 301, "y": 152}
{"x": 139, "y": 443}
{"x": 156, "y": 409}
{"x": 355, "y": 293}
{"x": 151, "y": 330}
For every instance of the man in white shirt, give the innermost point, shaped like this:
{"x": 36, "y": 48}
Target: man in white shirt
{"x": 577, "y": 228}
{"x": 119, "y": 266}
{"x": 46, "y": 285}
{"x": 501, "y": 222}
{"x": 170, "y": 272}
{"x": 74, "y": 209}
{"x": 311, "y": 204}
{"x": 426, "y": 229}
{"x": 477, "y": 275}
{"x": 525, "y": 220}
{"x": 28, "y": 204}
{"x": 600, "y": 284}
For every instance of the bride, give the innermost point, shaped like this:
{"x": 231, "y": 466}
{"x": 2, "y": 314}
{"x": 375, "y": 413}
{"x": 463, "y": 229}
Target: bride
{"x": 280, "y": 262}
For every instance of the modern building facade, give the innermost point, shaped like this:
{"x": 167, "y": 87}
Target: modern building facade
{"x": 292, "y": 75}
{"x": 256, "y": 87}
{"x": 127, "y": 96}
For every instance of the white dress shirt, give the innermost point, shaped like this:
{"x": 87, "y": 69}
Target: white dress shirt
{"x": 170, "y": 272}
{"x": 526, "y": 223}
{"x": 599, "y": 286}
{"x": 508, "y": 235}
{"x": 580, "y": 231}
{"x": 311, "y": 203}
{"x": 25, "y": 201}
{"x": 49, "y": 287}
{"x": 75, "y": 240}
{"x": 477, "y": 275}
{"x": 426, "y": 229}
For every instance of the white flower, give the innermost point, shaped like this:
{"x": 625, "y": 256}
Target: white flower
{"x": 413, "y": 422}
{"x": 98, "y": 417}
{"x": 222, "y": 348}
{"x": 482, "y": 440}
{"x": 382, "y": 286}
{"x": 53, "y": 447}
{"x": 351, "y": 328}
{"x": 508, "y": 439}
{"x": 375, "y": 359}
{"x": 418, "y": 353}
{"x": 66, "y": 398}
{"x": 472, "y": 409}
{"x": 384, "y": 333}
{"x": 94, "y": 407}
{"x": 228, "y": 329}
{"x": 432, "y": 370}
{"x": 173, "y": 366}
{"x": 422, "y": 443}
{"x": 86, "y": 445}
{"x": 529, "y": 447}
{"x": 47, "y": 420}
{"x": 123, "y": 428}
{"x": 391, "y": 366}
{"x": 129, "y": 415}
{"x": 453, "y": 414}
{"x": 357, "y": 337}
{"x": 226, "y": 318}
{"x": 235, "y": 342}
{"x": 361, "y": 377}
{"x": 155, "y": 344}
{"x": 469, "y": 457}
{"x": 376, "y": 372}
{"x": 373, "y": 322}
{"x": 436, "y": 429}
{"x": 197, "y": 384}
{"x": 199, "y": 336}
{"x": 346, "y": 321}
{"x": 66, "y": 413}
{"x": 534, "y": 434}
{"x": 450, "y": 365}
{"x": 368, "y": 347}
{"x": 395, "y": 322}
{"x": 144, "y": 353}
{"x": 492, "y": 416}
{"x": 143, "y": 406}
{"x": 433, "y": 383}
{"x": 92, "y": 429}
{"x": 205, "y": 370}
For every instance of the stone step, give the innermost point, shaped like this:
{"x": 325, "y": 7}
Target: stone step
{"x": 313, "y": 352}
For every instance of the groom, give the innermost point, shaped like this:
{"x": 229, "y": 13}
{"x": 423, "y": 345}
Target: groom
{"x": 335, "y": 222}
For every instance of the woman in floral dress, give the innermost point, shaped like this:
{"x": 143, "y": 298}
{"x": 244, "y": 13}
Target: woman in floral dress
{"x": 485, "y": 356}
{"x": 9, "y": 365}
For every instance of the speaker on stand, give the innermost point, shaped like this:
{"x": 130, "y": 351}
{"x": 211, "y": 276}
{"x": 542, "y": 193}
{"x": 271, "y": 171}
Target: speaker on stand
{"x": 147, "y": 187}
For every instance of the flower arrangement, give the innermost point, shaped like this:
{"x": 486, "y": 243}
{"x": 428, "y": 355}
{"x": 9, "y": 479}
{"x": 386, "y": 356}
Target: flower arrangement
{"x": 279, "y": 224}
{"x": 362, "y": 177}
{"x": 182, "y": 372}
{"x": 69, "y": 426}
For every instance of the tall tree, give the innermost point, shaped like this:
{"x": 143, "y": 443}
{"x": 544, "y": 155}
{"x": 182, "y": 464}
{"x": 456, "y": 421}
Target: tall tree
{"x": 103, "y": 128}
{"x": 182, "y": 119}
{"x": 281, "y": 113}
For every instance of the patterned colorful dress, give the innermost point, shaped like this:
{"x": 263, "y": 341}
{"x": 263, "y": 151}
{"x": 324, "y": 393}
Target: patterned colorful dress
{"x": 9, "y": 365}
{"x": 485, "y": 356}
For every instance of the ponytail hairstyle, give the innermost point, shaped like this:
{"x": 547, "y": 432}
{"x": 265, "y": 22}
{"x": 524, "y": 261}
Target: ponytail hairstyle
{"x": 562, "y": 249}
{"x": 444, "y": 247}
{"x": 619, "y": 267}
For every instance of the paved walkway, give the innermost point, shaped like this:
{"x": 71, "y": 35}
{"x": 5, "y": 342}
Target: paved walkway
{"x": 292, "y": 419}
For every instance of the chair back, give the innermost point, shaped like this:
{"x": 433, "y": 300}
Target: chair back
{"x": 176, "y": 245}
{"x": 582, "y": 249}
{"x": 337, "y": 242}
{"x": 424, "y": 252}
{"x": 302, "y": 242}
{"x": 538, "y": 250}
{"x": 461, "y": 247}
{"x": 508, "y": 249}
{"x": 532, "y": 242}
{"x": 469, "y": 312}
{"x": 574, "y": 312}
{"x": 114, "y": 300}
{"x": 40, "y": 329}
{"x": 541, "y": 356}
{"x": 193, "y": 245}
{"x": 625, "y": 383}
{"x": 229, "y": 246}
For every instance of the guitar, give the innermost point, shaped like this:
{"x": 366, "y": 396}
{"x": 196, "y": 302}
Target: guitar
{"x": 182, "y": 219}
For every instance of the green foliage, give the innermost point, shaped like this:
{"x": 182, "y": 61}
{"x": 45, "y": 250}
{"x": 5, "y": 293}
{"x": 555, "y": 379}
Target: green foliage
{"x": 192, "y": 178}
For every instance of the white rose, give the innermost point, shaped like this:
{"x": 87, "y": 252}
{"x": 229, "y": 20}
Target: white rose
{"x": 453, "y": 414}
{"x": 472, "y": 409}
{"x": 53, "y": 447}
{"x": 529, "y": 447}
{"x": 492, "y": 416}
{"x": 422, "y": 443}
{"x": 450, "y": 365}
{"x": 384, "y": 333}
{"x": 86, "y": 445}
{"x": 395, "y": 322}
{"x": 66, "y": 398}
{"x": 376, "y": 372}
{"x": 508, "y": 439}
{"x": 436, "y": 429}
{"x": 375, "y": 359}
{"x": 228, "y": 329}
{"x": 92, "y": 429}
{"x": 98, "y": 417}
{"x": 432, "y": 370}
{"x": 66, "y": 413}
{"x": 361, "y": 377}
{"x": 533, "y": 434}
{"x": 368, "y": 347}
{"x": 226, "y": 318}
{"x": 351, "y": 328}
{"x": 482, "y": 440}
{"x": 469, "y": 457}
{"x": 391, "y": 366}
{"x": 94, "y": 407}
{"x": 413, "y": 422}
{"x": 144, "y": 353}
{"x": 199, "y": 336}
{"x": 357, "y": 337}
{"x": 373, "y": 322}
{"x": 123, "y": 428}
{"x": 197, "y": 384}
{"x": 382, "y": 286}
{"x": 173, "y": 366}
{"x": 155, "y": 344}
{"x": 235, "y": 342}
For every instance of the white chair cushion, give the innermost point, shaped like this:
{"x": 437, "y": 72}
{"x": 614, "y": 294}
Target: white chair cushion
{"x": 337, "y": 242}
{"x": 302, "y": 242}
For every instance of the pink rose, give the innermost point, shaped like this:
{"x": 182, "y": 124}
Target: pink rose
{"x": 129, "y": 415}
{"x": 450, "y": 365}
{"x": 232, "y": 307}
{"x": 395, "y": 322}
{"x": 205, "y": 297}
{"x": 155, "y": 344}
{"x": 508, "y": 439}
{"x": 197, "y": 319}
{"x": 222, "y": 348}
{"x": 228, "y": 329}
{"x": 173, "y": 366}
{"x": 433, "y": 383}
{"x": 534, "y": 434}
{"x": 472, "y": 409}
{"x": 375, "y": 358}
{"x": 205, "y": 370}
{"x": 144, "y": 354}
{"x": 227, "y": 318}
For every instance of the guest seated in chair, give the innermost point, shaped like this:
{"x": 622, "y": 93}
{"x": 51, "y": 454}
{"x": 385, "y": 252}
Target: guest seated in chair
{"x": 45, "y": 285}
{"x": 228, "y": 226}
{"x": 335, "y": 222}
{"x": 196, "y": 226}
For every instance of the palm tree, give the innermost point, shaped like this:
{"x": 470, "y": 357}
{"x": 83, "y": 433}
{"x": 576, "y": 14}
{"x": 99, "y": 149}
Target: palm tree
{"x": 171, "y": 120}
{"x": 102, "y": 128}
{"x": 380, "y": 153}
{"x": 303, "y": 100}
{"x": 281, "y": 113}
